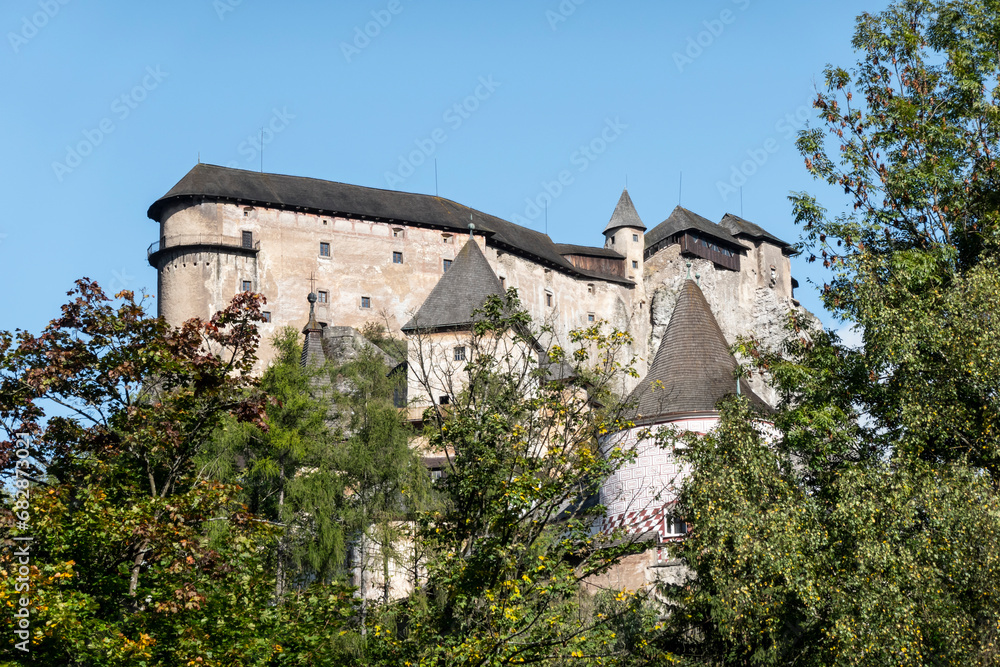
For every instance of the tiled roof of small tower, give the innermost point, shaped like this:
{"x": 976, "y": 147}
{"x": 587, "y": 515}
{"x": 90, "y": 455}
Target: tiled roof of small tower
{"x": 464, "y": 287}
{"x": 625, "y": 215}
{"x": 312, "y": 346}
{"x": 737, "y": 226}
{"x": 681, "y": 220}
{"x": 692, "y": 369}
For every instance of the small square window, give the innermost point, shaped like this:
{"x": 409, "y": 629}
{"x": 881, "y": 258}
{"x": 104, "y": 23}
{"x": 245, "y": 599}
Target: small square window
{"x": 246, "y": 285}
{"x": 444, "y": 400}
{"x": 548, "y": 299}
{"x": 460, "y": 353}
{"x": 247, "y": 240}
{"x": 445, "y": 265}
{"x": 366, "y": 302}
{"x": 612, "y": 240}
{"x": 590, "y": 317}
{"x": 446, "y": 238}
{"x": 674, "y": 526}
{"x": 324, "y": 249}
{"x": 635, "y": 238}
{"x": 323, "y": 297}
{"x": 635, "y": 264}
{"x": 266, "y": 315}
{"x": 503, "y": 282}
{"x": 590, "y": 288}
{"x": 397, "y": 233}
{"x": 397, "y": 257}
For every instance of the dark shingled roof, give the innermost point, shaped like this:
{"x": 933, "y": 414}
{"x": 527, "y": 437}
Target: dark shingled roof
{"x": 737, "y": 226}
{"x": 328, "y": 197}
{"x": 587, "y": 251}
{"x": 463, "y": 288}
{"x": 693, "y": 368}
{"x": 625, "y": 215}
{"x": 681, "y": 220}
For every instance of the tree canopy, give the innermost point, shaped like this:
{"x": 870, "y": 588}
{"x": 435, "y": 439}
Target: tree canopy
{"x": 865, "y": 528}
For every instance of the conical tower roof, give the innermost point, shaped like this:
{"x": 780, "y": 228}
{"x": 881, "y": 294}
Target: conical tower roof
{"x": 625, "y": 215}
{"x": 693, "y": 368}
{"x": 464, "y": 287}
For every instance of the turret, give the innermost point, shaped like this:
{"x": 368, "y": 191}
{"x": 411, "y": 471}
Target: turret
{"x": 625, "y": 234}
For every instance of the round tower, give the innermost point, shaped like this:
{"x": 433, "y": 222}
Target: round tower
{"x": 693, "y": 369}
{"x": 625, "y": 234}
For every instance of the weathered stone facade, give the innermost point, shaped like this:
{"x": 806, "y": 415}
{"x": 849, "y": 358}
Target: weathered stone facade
{"x": 374, "y": 255}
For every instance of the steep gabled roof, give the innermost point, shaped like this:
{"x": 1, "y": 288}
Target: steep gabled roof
{"x": 681, "y": 220}
{"x": 463, "y": 288}
{"x": 737, "y": 226}
{"x": 625, "y": 215}
{"x": 693, "y": 368}
{"x": 331, "y": 198}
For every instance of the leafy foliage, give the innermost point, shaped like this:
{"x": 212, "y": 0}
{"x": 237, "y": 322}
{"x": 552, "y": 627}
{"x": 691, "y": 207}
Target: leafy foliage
{"x": 512, "y": 543}
{"x": 864, "y": 528}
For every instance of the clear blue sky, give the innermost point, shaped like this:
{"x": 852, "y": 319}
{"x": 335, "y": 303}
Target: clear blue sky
{"x": 108, "y": 104}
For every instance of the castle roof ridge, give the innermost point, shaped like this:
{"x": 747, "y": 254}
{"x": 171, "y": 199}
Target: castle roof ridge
{"x": 331, "y": 197}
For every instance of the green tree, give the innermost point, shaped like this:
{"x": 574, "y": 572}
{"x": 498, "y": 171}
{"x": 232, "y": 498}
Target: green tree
{"x": 865, "y": 528}
{"x": 288, "y": 470}
{"x": 512, "y": 543}
{"x": 117, "y": 407}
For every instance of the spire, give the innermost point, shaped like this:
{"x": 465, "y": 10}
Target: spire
{"x": 464, "y": 288}
{"x": 625, "y": 215}
{"x": 312, "y": 346}
{"x": 693, "y": 368}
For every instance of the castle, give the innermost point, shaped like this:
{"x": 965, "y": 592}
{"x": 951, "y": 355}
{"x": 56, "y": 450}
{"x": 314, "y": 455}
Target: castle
{"x": 376, "y": 255}
{"x": 420, "y": 265}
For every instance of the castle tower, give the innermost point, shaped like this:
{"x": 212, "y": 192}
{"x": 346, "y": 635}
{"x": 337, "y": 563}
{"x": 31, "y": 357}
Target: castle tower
{"x": 693, "y": 369}
{"x": 625, "y": 234}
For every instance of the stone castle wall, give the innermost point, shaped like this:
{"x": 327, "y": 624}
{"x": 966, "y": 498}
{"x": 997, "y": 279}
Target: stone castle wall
{"x": 202, "y": 266}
